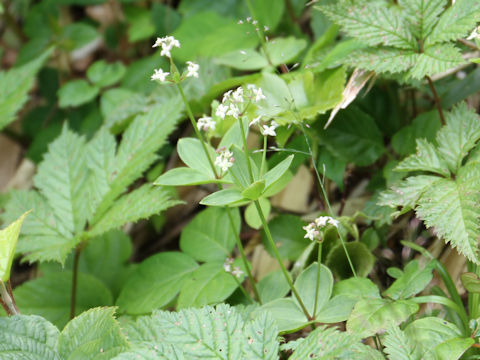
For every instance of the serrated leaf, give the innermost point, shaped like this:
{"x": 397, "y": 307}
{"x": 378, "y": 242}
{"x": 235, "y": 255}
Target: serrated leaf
{"x": 141, "y": 203}
{"x": 209, "y": 236}
{"x": 427, "y": 158}
{"x": 50, "y": 296}
{"x": 261, "y": 334}
{"x": 370, "y": 316}
{"x": 459, "y": 136}
{"x": 8, "y": 242}
{"x": 95, "y": 334}
{"x": 436, "y": 59}
{"x": 145, "y": 290}
{"x": 413, "y": 280}
{"x": 14, "y": 87}
{"x": 76, "y": 93}
{"x": 28, "y": 337}
{"x": 398, "y": 346}
{"x": 372, "y": 23}
{"x": 422, "y": 15}
{"x": 63, "y": 181}
{"x": 383, "y": 59}
{"x": 328, "y": 343}
{"x": 456, "y": 22}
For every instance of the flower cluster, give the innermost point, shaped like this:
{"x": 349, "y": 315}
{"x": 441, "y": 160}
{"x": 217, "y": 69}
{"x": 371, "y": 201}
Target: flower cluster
{"x": 206, "y": 123}
{"x": 235, "y": 270}
{"x": 224, "y": 159}
{"x": 313, "y": 229}
{"x": 167, "y": 43}
{"x": 234, "y": 102}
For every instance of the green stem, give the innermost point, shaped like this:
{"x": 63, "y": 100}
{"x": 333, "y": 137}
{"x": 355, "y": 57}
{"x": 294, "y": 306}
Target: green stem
{"x": 73, "y": 299}
{"x": 450, "y": 285}
{"x": 230, "y": 217}
{"x": 245, "y": 149}
{"x": 317, "y": 283}
{"x": 10, "y": 306}
{"x": 474, "y": 298}
{"x": 260, "y": 34}
{"x": 325, "y": 196}
{"x": 242, "y": 289}
{"x": 264, "y": 156}
{"x": 279, "y": 259}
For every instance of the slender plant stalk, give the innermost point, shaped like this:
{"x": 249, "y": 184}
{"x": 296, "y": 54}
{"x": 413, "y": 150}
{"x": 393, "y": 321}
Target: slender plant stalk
{"x": 437, "y": 99}
{"x": 7, "y": 299}
{"x": 260, "y": 34}
{"x": 229, "y": 213}
{"x": 317, "y": 283}
{"x": 264, "y": 156}
{"x": 73, "y": 300}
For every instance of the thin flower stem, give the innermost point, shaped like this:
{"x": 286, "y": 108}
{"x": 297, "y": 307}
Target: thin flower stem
{"x": 245, "y": 149}
{"x": 10, "y": 306}
{"x": 437, "y": 99}
{"x": 260, "y": 34}
{"x": 325, "y": 196}
{"x": 229, "y": 213}
{"x": 317, "y": 283}
{"x": 279, "y": 259}
{"x": 264, "y": 156}
{"x": 242, "y": 289}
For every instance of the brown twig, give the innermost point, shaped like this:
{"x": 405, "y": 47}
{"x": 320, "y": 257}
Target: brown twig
{"x": 76, "y": 259}
{"x": 437, "y": 99}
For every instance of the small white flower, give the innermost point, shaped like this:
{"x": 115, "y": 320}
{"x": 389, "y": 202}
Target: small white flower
{"x": 237, "y": 95}
{"x": 322, "y": 221}
{"x": 158, "y": 42}
{"x": 206, "y": 123}
{"x": 266, "y": 28}
{"x": 226, "y": 96}
{"x": 269, "y": 130}
{"x": 254, "y": 22}
{"x": 233, "y": 110}
{"x": 167, "y": 43}
{"x": 227, "y": 265}
{"x": 258, "y": 94}
{"x": 249, "y": 19}
{"x": 159, "y": 74}
{"x": 237, "y": 272}
{"x": 240, "y": 22}
{"x": 311, "y": 232}
{"x": 333, "y": 222}
{"x": 243, "y": 52}
{"x": 474, "y": 34}
{"x": 255, "y": 121}
{"x": 192, "y": 69}
{"x": 224, "y": 160}
{"x": 251, "y": 86}
{"x": 221, "y": 111}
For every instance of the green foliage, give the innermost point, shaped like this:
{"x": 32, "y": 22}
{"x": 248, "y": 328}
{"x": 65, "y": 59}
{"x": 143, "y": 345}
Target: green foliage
{"x": 411, "y": 37}
{"x": 8, "y": 241}
{"x": 448, "y": 201}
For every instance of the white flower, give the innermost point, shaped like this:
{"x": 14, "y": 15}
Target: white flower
{"x": 167, "y": 43}
{"x": 227, "y": 96}
{"x": 251, "y": 86}
{"x": 240, "y": 22}
{"x": 192, "y": 69}
{"x": 255, "y": 121}
{"x": 205, "y": 123}
{"x": 258, "y": 94}
{"x": 311, "y": 232}
{"x": 159, "y": 74}
{"x": 270, "y": 130}
{"x": 227, "y": 265}
{"x": 474, "y": 34}
{"x": 249, "y": 19}
{"x": 237, "y": 95}
{"x": 322, "y": 221}
{"x": 237, "y": 272}
{"x": 333, "y": 222}
{"x": 266, "y": 28}
{"x": 254, "y": 22}
{"x": 221, "y": 111}
{"x": 224, "y": 160}
{"x": 233, "y": 110}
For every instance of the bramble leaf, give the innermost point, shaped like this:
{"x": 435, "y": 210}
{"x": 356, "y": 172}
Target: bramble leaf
{"x": 8, "y": 241}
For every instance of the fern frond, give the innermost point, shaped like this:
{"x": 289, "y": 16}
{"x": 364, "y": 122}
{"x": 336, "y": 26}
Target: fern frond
{"x": 459, "y": 136}
{"x": 398, "y": 345}
{"x": 383, "y": 59}
{"x": 436, "y": 59}
{"x": 422, "y": 15}
{"x": 63, "y": 181}
{"x": 456, "y": 22}
{"x": 426, "y": 159}
{"x": 372, "y": 23}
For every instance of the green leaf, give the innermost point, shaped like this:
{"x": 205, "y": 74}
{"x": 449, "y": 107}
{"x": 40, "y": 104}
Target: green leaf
{"x": 436, "y": 59}
{"x": 306, "y": 286}
{"x": 427, "y": 158}
{"x": 357, "y": 288}
{"x": 398, "y": 346}
{"x": 360, "y": 139}
{"x": 95, "y": 334}
{"x": 239, "y": 170}
{"x": 373, "y": 23}
{"x": 192, "y": 154}
{"x": 288, "y": 236}
{"x": 28, "y": 337}
{"x": 50, "y": 295}
{"x": 76, "y": 93}
{"x": 261, "y": 334}
{"x": 76, "y": 35}
{"x": 288, "y": 316}
{"x": 361, "y": 257}
{"x": 273, "y": 286}
{"x": 329, "y": 343}
{"x": 283, "y": 50}
{"x": 471, "y": 282}
{"x": 453, "y": 348}
{"x": 140, "y": 23}
{"x": 251, "y": 214}
{"x": 422, "y": 15}
{"x": 15, "y": 85}
{"x": 383, "y": 59}
{"x": 185, "y": 176}
{"x": 8, "y": 242}
{"x": 247, "y": 59}
{"x": 118, "y": 105}
{"x": 146, "y": 290}
{"x": 456, "y": 22}
{"x": 268, "y": 12}
{"x": 373, "y": 315}
{"x": 254, "y": 191}
{"x": 331, "y": 166}
{"x": 209, "y": 284}
{"x": 274, "y": 174}
{"x": 104, "y": 74}
{"x": 209, "y": 236}
{"x": 141, "y": 203}
{"x": 231, "y": 196}
{"x": 413, "y": 280}
{"x": 459, "y": 136}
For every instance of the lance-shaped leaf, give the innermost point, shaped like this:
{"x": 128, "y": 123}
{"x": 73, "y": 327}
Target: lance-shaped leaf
{"x": 8, "y": 241}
